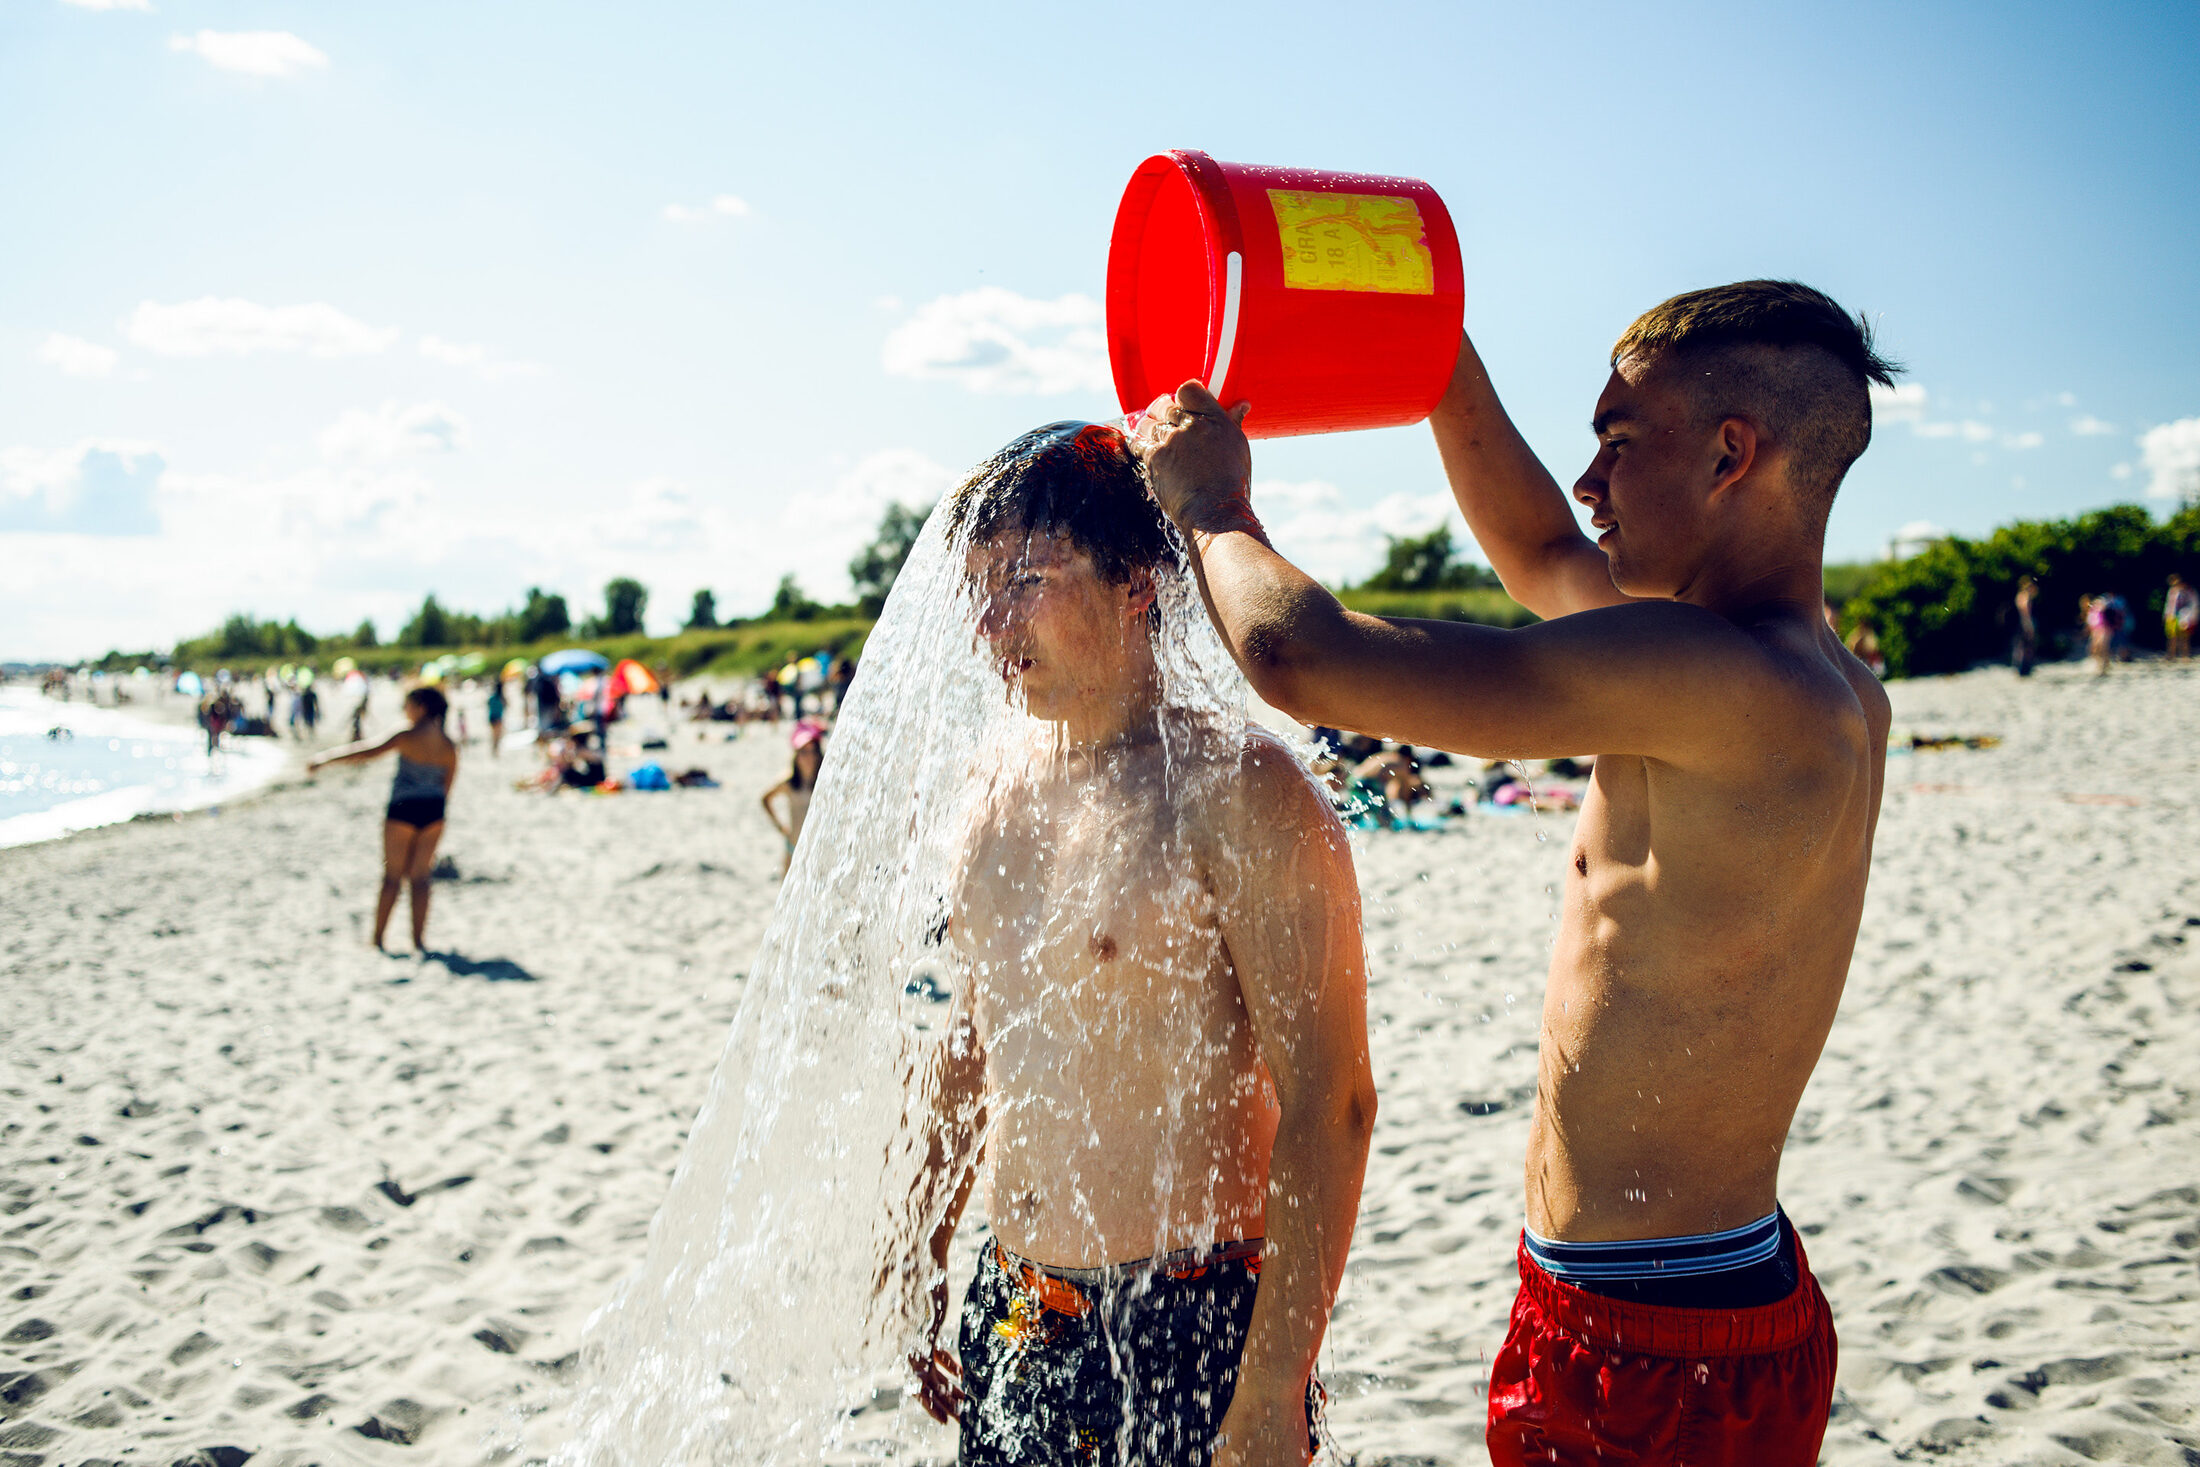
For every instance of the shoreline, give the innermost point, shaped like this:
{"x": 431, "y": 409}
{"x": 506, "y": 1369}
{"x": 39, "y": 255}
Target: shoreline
{"x": 243, "y": 770}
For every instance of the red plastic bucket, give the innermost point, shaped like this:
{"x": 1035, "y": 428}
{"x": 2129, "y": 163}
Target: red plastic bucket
{"x": 1329, "y": 301}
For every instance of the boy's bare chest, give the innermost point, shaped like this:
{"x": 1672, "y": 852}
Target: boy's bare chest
{"x": 1065, "y": 899}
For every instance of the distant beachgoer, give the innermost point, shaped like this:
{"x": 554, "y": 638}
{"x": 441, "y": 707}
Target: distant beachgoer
{"x": 1863, "y": 643}
{"x": 2100, "y": 632}
{"x": 2119, "y": 626}
{"x": 427, "y": 762}
{"x": 549, "y": 701}
{"x": 309, "y": 709}
{"x": 496, "y": 718}
{"x": 2024, "y": 648}
{"x": 214, "y": 717}
{"x": 2180, "y": 613}
{"x": 809, "y": 756}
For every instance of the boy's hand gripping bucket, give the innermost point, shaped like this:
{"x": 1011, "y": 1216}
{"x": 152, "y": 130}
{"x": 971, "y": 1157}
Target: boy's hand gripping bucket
{"x": 1328, "y": 301}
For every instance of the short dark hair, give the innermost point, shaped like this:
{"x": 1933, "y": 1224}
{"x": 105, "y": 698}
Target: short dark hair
{"x": 1781, "y": 353}
{"x": 431, "y": 701}
{"x": 1077, "y": 480}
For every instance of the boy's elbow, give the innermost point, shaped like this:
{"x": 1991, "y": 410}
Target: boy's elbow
{"x": 1288, "y": 672}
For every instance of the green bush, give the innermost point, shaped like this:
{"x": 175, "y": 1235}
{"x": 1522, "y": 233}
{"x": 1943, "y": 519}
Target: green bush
{"x": 1952, "y": 606}
{"x": 1483, "y": 607}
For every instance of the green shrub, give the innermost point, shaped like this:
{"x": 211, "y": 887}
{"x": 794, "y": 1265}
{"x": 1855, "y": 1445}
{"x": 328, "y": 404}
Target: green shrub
{"x": 1952, "y": 606}
{"x": 1488, "y": 608}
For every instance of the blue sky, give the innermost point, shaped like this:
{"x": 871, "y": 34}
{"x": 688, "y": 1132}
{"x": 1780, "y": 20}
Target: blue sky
{"x": 308, "y": 309}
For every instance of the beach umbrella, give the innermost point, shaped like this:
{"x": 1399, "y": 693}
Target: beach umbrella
{"x": 574, "y": 659}
{"x": 470, "y": 662}
{"x": 189, "y": 685}
{"x": 630, "y": 677}
{"x": 344, "y": 666}
{"x": 517, "y": 667}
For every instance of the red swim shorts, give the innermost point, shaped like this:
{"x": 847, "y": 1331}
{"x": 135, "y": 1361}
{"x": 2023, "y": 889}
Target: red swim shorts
{"x": 1610, "y": 1383}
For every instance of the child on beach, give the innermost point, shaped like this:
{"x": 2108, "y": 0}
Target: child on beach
{"x": 809, "y": 756}
{"x": 2180, "y": 614}
{"x": 427, "y": 762}
{"x": 1160, "y": 1044}
{"x": 1666, "y": 1311}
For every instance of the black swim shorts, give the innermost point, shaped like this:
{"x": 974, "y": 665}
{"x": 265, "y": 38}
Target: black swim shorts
{"x": 1128, "y": 1366}
{"x": 419, "y": 811}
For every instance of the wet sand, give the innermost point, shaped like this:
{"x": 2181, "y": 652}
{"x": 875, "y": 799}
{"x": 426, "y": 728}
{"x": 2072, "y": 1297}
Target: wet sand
{"x": 266, "y": 1192}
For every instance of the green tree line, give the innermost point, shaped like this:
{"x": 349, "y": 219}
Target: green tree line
{"x": 1953, "y": 605}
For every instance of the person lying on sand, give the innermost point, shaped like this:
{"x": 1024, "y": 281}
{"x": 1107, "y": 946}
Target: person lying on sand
{"x": 427, "y": 762}
{"x": 1718, "y": 868}
{"x": 1161, "y": 1041}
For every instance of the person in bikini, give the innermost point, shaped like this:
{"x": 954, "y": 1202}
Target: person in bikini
{"x": 427, "y": 762}
{"x": 1160, "y": 1049}
{"x": 1666, "y": 1312}
{"x": 801, "y": 781}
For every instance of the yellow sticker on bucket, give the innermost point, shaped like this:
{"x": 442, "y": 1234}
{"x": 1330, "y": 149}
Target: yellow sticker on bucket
{"x": 1353, "y": 242}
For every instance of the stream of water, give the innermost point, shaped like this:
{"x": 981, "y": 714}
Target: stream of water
{"x": 770, "y": 1319}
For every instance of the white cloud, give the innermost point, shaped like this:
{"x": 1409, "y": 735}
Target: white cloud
{"x": 2121, "y": 471}
{"x": 994, "y": 340}
{"x": 478, "y": 358}
{"x": 1908, "y": 402}
{"x": 2085, "y": 425}
{"x": 252, "y": 53}
{"x": 2067, "y": 399}
{"x": 1902, "y": 403}
{"x": 393, "y": 431}
{"x": 145, "y": 5}
{"x": 77, "y": 357}
{"x": 1913, "y": 539}
{"x": 1313, "y": 527}
{"x": 212, "y": 325}
{"x": 725, "y": 206}
{"x": 92, "y": 487}
{"x": 1970, "y": 430}
{"x": 821, "y": 529}
{"x": 2170, "y": 454}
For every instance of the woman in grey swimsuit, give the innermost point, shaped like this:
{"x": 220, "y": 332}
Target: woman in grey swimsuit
{"x": 427, "y": 762}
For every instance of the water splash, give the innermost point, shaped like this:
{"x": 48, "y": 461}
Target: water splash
{"x": 769, "y": 1320}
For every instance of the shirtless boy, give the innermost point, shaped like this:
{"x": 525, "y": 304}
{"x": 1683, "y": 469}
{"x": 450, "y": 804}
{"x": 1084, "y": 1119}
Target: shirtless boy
{"x": 1163, "y": 1056}
{"x": 1666, "y": 1311}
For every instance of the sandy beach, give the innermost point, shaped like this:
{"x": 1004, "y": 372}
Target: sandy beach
{"x": 267, "y": 1194}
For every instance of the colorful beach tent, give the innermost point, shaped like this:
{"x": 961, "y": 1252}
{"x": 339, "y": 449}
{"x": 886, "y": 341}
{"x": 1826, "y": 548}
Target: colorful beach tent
{"x": 517, "y": 667}
{"x": 574, "y": 659}
{"x": 630, "y": 677}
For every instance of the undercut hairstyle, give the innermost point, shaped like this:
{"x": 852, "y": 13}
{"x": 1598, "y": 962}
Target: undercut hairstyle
{"x": 1076, "y": 480}
{"x": 430, "y": 701}
{"x": 1776, "y": 352}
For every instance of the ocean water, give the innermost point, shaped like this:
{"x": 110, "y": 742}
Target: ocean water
{"x": 109, "y": 765}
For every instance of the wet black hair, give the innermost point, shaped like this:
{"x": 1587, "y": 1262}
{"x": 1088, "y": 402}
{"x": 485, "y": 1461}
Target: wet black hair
{"x": 431, "y": 700}
{"x": 1076, "y": 480}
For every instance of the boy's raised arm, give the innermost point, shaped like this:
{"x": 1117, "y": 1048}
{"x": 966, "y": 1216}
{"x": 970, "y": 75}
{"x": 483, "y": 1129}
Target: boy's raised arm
{"x": 1517, "y": 511}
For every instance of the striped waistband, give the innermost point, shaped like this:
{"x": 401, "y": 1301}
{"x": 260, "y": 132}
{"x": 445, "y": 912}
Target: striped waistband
{"x": 1645, "y": 1258}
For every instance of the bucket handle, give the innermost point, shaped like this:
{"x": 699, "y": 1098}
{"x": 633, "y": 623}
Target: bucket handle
{"x": 1233, "y": 293}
